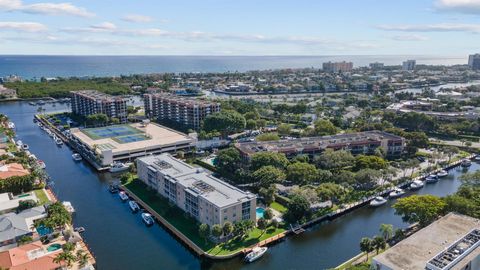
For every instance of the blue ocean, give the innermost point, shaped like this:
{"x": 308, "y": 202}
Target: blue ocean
{"x": 35, "y": 67}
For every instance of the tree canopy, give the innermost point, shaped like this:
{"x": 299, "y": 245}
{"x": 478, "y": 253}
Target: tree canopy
{"x": 301, "y": 173}
{"x": 419, "y": 208}
{"x": 225, "y": 121}
{"x": 268, "y": 175}
{"x": 268, "y": 159}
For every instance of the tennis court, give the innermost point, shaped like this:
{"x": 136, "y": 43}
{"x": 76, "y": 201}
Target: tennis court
{"x": 111, "y": 131}
{"x": 130, "y": 138}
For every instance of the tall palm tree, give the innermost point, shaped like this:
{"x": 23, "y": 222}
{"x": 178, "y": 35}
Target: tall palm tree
{"x": 82, "y": 257}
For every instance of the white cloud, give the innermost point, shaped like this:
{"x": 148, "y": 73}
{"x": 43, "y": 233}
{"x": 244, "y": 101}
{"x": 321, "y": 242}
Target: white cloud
{"x": 45, "y": 8}
{"x": 23, "y": 26}
{"x": 461, "y": 6}
{"x": 104, "y": 26}
{"x": 412, "y": 37}
{"x": 136, "y": 18}
{"x": 441, "y": 27}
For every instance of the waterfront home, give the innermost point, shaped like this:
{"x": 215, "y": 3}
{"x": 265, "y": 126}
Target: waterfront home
{"x": 12, "y": 169}
{"x": 13, "y": 226}
{"x": 9, "y": 203}
{"x": 452, "y": 242}
{"x": 201, "y": 195}
{"x": 31, "y": 256}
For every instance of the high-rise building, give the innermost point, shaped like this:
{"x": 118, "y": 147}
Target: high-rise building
{"x": 409, "y": 65}
{"x": 376, "y": 65}
{"x": 88, "y": 102}
{"x": 337, "y": 66}
{"x": 201, "y": 195}
{"x": 474, "y": 61}
{"x": 186, "y": 111}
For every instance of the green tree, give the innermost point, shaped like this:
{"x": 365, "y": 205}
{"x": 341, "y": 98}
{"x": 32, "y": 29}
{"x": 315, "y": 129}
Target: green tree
{"x": 204, "y": 231}
{"x": 330, "y": 191}
{"x": 262, "y": 224}
{"x": 367, "y": 178}
{"x": 262, "y": 159}
{"x": 267, "y": 176}
{"x": 335, "y": 160}
{"x": 268, "y": 214}
{"x": 370, "y": 162}
{"x": 82, "y": 258}
{"x": 217, "y": 230}
{"x": 267, "y": 137}
{"x": 471, "y": 179}
{"x": 419, "y": 208}
{"x": 386, "y": 230}
{"x": 24, "y": 240}
{"x": 65, "y": 258}
{"x": 324, "y": 127}
{"x": 301, "y": 173}
{"x": 298, "y": 207}
{"x": 284, "y": 129}
{"x": 268, "y": 194}
{"x": 399, "y": 234}
{"x": 227, "y": 228}
{"x": 379, "y": 243}
{"x": 366, "y": 245}
{"x": 226, "y": 122}
{"x": 227, "y": 160}
{"x": 251, "y": 124}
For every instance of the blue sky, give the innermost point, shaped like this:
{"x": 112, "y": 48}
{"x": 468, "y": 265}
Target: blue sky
{"x": 246, "y": 27}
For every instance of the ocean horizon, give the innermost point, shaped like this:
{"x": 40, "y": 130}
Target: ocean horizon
{"x": 37, "y": 66}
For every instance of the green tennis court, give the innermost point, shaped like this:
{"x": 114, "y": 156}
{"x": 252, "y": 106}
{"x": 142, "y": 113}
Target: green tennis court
{"x": 111, "y": 132}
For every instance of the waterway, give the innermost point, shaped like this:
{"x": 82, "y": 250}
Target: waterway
{"x": 119, "y": 240}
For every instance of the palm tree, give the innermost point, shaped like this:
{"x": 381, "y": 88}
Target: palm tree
{"x": 379, "y": 243}
{"x": 386, "y": 230}
{"x": 366, "y": 245}
{"x": 64, "y": 258}
{"x": 82, "y": 257}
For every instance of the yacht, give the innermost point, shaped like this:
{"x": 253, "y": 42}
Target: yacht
{"x": 118, "y": 167}
{"x": 69, "y": 207}
{"x": 58, "y": 141}
{"x": 255, "y": 254}
{"x": 76, "y": 156}
{"x": 25, "y": 146}
{"x": 466, "y": 163}
{"x": 442, "y": 173}
{"x": 148, "y": 219}
{"x": 396, "y": 192}
{"x": 133, "y": 206}
{"x": 41, "y": 164}
{"x": 416, "y": 184}
{"x": 123, "y": 196}
{"x": 378, "y": 201}
{"x": 433, "y": 178}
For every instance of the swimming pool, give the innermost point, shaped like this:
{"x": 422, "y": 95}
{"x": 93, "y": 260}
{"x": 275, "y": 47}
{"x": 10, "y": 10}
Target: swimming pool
{"x": 54, "y": 247}
{"x": 42, "y": 230}
{"x": 260, "y": 212}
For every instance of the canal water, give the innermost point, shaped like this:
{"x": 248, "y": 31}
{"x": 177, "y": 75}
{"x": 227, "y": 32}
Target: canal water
{"x": 119, "y": 240}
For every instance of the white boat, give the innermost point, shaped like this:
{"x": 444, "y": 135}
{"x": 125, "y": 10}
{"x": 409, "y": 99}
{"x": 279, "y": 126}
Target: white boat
{"x": 378, "y": 201}
{"x": 76, "y": 156}
{"x": 25, "y": 146}
{"x": 442, "y": 173}
{"x": 255, "y": 254}
{"x": 477, "y": 158}
{"x": 466, "y": 163}
{"x": 79, "y": 229}
{"x": 396, "y": 192}
{"x": 123, "y": 196}
{"x": 11, "y": 125}
{"x": 416, "y": 184}
{"x": 49, "y": 132}
{"x": 69, "y": 207}
{"x": 58, "y": 141}
{"x": 133, "y": 206}
{"x": 19, "y": 143}
{"x": 118, "y": 167}
{"x": 148, "y": 219}
{"x": 39, "y": 124}
{"x": 433, "y": 178}
{"x": 41, "y": 164}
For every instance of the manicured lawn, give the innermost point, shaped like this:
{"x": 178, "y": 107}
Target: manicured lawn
{"x": 280, "y": 208}
{"x": 189, "y": 226}
{"x": 42, "y": 197}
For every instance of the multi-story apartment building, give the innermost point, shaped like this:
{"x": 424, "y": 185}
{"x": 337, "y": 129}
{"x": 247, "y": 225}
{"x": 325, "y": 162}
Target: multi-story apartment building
{"x": 357, "y": 143}
{"x": 474, "y": 61}
{"x": 186, "y": 111}
{"x": 201, "y": 195}
{"x": 88, "y": 102}
{"x": 337, "y": 66}
{"x": 409, "y": 65}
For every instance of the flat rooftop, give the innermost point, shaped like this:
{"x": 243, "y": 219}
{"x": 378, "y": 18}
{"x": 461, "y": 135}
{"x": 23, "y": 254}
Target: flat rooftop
{"x": 423, "y": 246}
{"x": 129, "y": 137}
{"x": 197, "y": 182}
{"x": 94, "y": 94}
{"x": 316, "y": 143}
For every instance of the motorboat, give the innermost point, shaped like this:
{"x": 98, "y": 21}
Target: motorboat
{"x": 255, "y": 254}
{"x": 69, "y": 207}
{"x": 39, "y": 124}
{"x": 79, "y": 229}
{"x": 49, "y": 132}
{"x": 19, "y": 143}
{"x": 133, "y": 206}
{"x": 378, "y": 201}
{"x": 148, "y": 219}
{"x": 477, "y": 158}
{"x": 58, "y": 141}
{"x": 396, "y": 192}
{"x": 41, "y": 164}
{"x": 118, "y": 167}
{"x": 76, "y": 157}
{"x": 466, "y": 163}
{"x": 442, "y": 173}
{"x": 416, "y": 184}
{"x": 433, "y": 178}
{"x": 11, "y": 125}
{"x": 25, "y": 146}
{"x": 32, "y": 103}
{"x": 123, "y": 196}
{"x": 113, "y": 188}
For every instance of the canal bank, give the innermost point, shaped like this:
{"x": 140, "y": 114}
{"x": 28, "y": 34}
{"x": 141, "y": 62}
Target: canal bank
{"x": 119, "y": 239}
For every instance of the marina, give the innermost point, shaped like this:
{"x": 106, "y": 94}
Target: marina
{"x": 311, "y": 246}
